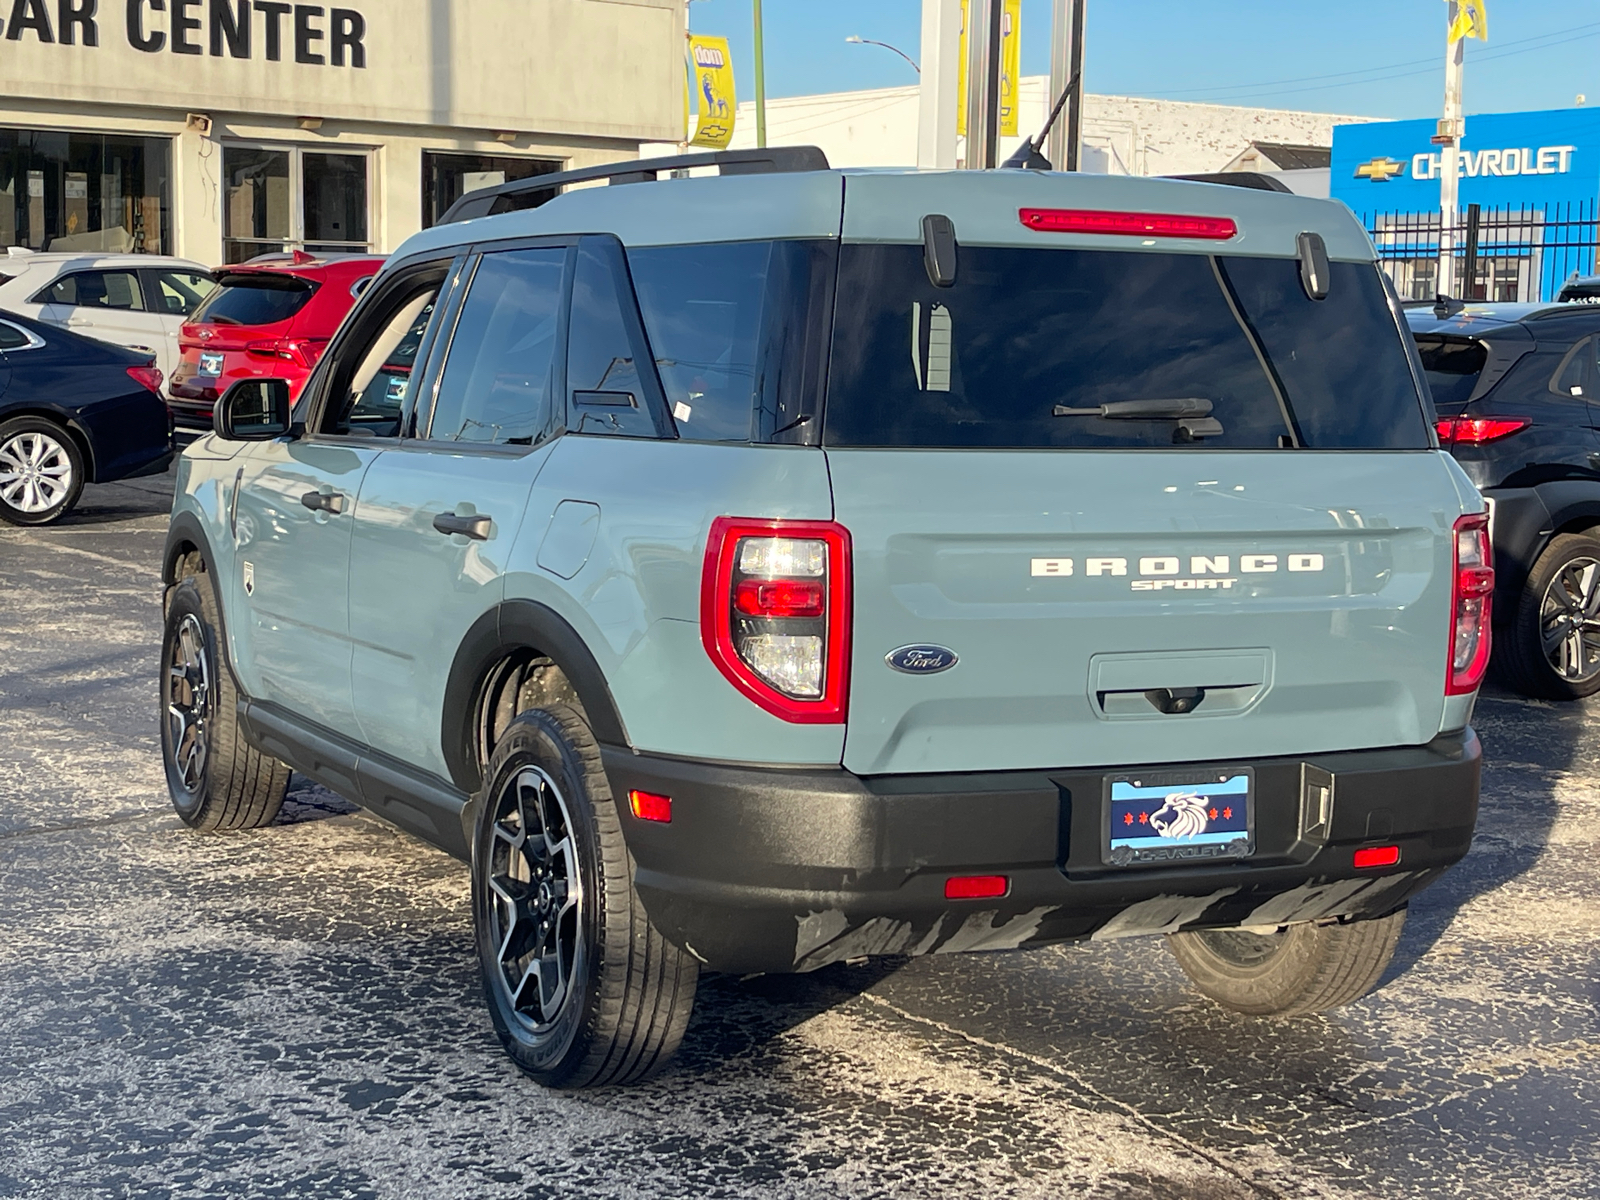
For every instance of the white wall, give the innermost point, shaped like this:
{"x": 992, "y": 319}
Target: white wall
{"x": 1122, "y": 134}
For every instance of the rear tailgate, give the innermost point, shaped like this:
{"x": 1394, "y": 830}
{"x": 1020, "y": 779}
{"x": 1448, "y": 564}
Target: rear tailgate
{"x": 1167, "y": 495}
{"x": 1307, "y": 594}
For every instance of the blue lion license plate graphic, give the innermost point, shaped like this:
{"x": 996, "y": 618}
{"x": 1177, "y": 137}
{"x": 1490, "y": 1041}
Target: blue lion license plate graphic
{"x": 1166, "y": 819}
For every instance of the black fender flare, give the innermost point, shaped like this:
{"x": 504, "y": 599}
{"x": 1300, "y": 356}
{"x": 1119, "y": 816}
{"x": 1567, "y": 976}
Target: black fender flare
{"x": 510, "y": 626}
{"x": 184, "y": 528}
{"x": 1525, "y": 519}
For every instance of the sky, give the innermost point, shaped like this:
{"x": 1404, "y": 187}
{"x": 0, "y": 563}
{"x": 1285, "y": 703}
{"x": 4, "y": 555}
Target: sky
{"x": 1373, "y": 58}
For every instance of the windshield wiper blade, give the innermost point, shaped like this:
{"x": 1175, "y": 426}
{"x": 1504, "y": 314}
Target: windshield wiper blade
{"x": 1142, "y": 410}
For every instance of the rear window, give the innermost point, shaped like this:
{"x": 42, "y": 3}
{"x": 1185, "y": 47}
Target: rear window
{"x": 254, "y": 299}
{"x": 1452, "y": 366}
{"x": 1027, "y": 346}
{"x": 736, "y": 329}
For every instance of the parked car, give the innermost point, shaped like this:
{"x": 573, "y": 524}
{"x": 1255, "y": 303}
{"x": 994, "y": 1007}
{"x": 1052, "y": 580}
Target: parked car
{"x": 1517, "y": 391}
{"x": 270, "y": 316}
{"x": 133, "y": 300}
{"x": 73, "y": 410}
{"x": 1584, "y": 289}
{"x": 754, "y": 572}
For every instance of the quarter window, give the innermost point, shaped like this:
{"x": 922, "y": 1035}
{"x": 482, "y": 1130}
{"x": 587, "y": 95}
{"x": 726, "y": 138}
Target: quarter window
{"x": 498, "y": 382}
{"x": 178, "y": 293}
{"x": 95, "y": 289}
{"x": 12, "y": 338}
{"x": 605, "y": 391}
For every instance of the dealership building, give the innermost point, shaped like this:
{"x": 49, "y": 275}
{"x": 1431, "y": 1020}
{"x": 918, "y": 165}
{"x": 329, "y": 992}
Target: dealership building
{"x": 222, "y": 129}
{"x": 1529, "y": 184}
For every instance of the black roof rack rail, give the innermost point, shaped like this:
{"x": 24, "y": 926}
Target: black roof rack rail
{"x": 527, "y": 193}
{"x": 1259, "y": 181}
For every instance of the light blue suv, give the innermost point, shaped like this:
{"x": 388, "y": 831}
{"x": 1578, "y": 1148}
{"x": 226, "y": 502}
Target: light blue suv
{"x": 752, "y": 571}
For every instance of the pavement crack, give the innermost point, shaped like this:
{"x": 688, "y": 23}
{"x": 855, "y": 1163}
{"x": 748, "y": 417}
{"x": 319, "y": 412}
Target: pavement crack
{"x": 1052, "y": 1068}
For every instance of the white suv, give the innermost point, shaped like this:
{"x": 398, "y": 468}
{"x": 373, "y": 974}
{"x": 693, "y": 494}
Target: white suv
{"x": 133, "y": 300}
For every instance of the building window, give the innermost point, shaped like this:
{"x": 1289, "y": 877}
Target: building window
{"x": 76, "y": 192}
{"x": 448, "y": 177}
{"x": 288, "y": 199}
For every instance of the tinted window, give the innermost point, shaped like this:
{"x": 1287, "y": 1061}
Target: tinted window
{"x": 607, "y": 395}
{"x": 1026, "y": 333}
{"x": 12, "y": 338}
{"x": 95, "y": 289}
{"x": 254, "y": 300}
{"x": 1574, "y": 376}
{"x": 727, "y": 325}
{"x": 179, "y": 293}
{"x": 497, "y": 384}
{"x": 1452, "y": 366}
{"x": 1340, "y": 360}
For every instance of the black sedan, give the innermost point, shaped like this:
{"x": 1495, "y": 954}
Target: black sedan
{"x": 72, "y": 411}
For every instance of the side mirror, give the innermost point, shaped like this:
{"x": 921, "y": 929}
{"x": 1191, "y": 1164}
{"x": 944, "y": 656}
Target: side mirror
{"x": 252, "y": 410}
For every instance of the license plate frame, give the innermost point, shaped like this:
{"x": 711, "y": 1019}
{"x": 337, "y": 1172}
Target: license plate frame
{"x": 210, "y": 363}
{"x": 1178, "y": 798}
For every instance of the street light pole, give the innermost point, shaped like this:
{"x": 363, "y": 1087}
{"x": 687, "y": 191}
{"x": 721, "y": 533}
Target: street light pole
{"x": 1447, "y": 138}
{"x": 761, "y": 81}
{"x": 936, "y": 105}
{"x": 983, "y": 83}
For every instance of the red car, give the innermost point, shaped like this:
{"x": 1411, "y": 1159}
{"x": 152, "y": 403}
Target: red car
{"x": 270, "y": 316}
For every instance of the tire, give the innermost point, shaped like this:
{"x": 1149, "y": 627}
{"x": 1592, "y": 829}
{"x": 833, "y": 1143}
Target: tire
{"x": 41, "y": 471}
{"x": 1560, "y": 601}
{"x": 216, "y": 779}
{"x": 1301, "y": 969}
{"x": 621, "y": 993}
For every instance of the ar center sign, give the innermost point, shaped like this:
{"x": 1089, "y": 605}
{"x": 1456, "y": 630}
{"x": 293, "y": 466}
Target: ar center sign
{"x": 317, "y": 36}
{"x": 1546, "y": 160}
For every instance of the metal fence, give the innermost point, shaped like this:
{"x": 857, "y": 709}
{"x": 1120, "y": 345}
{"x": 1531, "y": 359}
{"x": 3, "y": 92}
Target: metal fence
{"x": 1505, "y": 254}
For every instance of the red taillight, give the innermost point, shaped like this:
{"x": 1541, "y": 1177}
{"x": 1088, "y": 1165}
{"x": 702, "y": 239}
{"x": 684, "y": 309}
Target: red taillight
{"x": 302, "y": 352}
{"x": 975, "y": 887}
{"x": 1471, "y": 595}
{"x": 1134, "y": 224}
{"x": 1475, "y": 431}
{"x": 1377, "y": 856}
{"x": 775, "y": 614}
{"x": 649, "y": 806}
{"x": 146, "y": 377}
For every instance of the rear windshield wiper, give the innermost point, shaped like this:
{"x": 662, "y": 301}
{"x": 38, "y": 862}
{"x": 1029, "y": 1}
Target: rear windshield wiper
{"x": 1142, "y": 410}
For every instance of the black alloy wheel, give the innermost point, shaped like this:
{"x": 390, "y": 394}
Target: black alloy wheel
{"x": 1550, "y": 647}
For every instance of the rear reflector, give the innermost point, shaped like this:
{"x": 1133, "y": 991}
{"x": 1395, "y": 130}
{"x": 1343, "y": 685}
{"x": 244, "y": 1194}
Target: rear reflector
{"x": 648, "y": 806}
{"x": 1475, "y": 431}
{"x": 975, "y": 887}
{"x": 1377, "y": 856}
{"x": 1132, "y": 224}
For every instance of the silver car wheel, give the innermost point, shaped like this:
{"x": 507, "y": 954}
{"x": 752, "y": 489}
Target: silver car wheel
{"x": 537, "y": 906}
{"x": 35, "y": 472}
{"x": 1569, "y": 621}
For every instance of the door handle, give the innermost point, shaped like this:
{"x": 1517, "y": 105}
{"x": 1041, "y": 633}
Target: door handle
{"x": 475, "y": 527}
{"x": 328, "y": 502}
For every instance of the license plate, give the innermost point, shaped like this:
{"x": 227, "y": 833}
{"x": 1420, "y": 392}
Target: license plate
{"x": 210, "y": 362}
{"x": 1165, "y": 818}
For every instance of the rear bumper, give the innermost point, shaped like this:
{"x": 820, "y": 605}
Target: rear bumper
{"x": 784, "y": 869}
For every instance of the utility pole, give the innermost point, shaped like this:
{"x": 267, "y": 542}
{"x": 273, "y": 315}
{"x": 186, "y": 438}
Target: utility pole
{"x": 983, "y": 83}
{"x": 1066, "y": 64}
{"x": 936, "y": 112}
{"x": 1448, "y": 135}
{"x": 761, "y": 81}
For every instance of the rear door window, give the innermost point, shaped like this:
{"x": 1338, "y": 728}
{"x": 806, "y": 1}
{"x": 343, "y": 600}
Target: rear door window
{"x": 255, "y": 298}
{"x": 1029, "y": 345}
{"x": 607, "y": 391}
{"x": 498, "y": 383}
{"x": 95, "y": 289}
{"x": 1452, "y": 366}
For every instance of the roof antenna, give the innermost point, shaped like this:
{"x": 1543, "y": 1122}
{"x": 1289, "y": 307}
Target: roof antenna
{"x": 1026, "y": 157}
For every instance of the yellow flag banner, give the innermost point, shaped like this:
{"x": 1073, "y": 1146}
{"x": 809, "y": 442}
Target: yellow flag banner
{"x": 711, "y": 69}
{"x": 1471, "y": 21}
{"x": 1010, "y": 68}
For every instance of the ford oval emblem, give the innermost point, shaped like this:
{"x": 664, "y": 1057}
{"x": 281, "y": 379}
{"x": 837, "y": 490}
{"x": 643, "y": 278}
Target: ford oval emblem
{"x": 922, "y": 660}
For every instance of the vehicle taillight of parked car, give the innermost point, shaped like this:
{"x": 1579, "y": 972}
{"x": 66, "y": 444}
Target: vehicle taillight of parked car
{"x": 775, "y": 614}
{"x": 147, "y": 376}
{"x": 1475, "y": 431}
{"x": 1472, "y": 592}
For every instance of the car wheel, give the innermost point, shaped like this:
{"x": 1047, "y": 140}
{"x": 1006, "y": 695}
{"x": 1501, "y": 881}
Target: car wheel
{"x": 581, "y": 987}
{"x": 216, "y": 779}
{"x": 1299, "y": 969}
{"x": 1551, "y": 649}
{"x": 41, "y": 471}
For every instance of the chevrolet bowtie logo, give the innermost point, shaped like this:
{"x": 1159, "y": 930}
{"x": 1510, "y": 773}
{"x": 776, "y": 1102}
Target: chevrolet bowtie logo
{"x": 1380, "y": 169}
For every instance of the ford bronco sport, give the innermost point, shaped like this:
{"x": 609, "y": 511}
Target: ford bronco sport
{"x": 752, "y": 572}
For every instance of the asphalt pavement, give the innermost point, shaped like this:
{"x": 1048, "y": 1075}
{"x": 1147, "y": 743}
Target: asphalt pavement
{"x": 295, "y": 1012}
